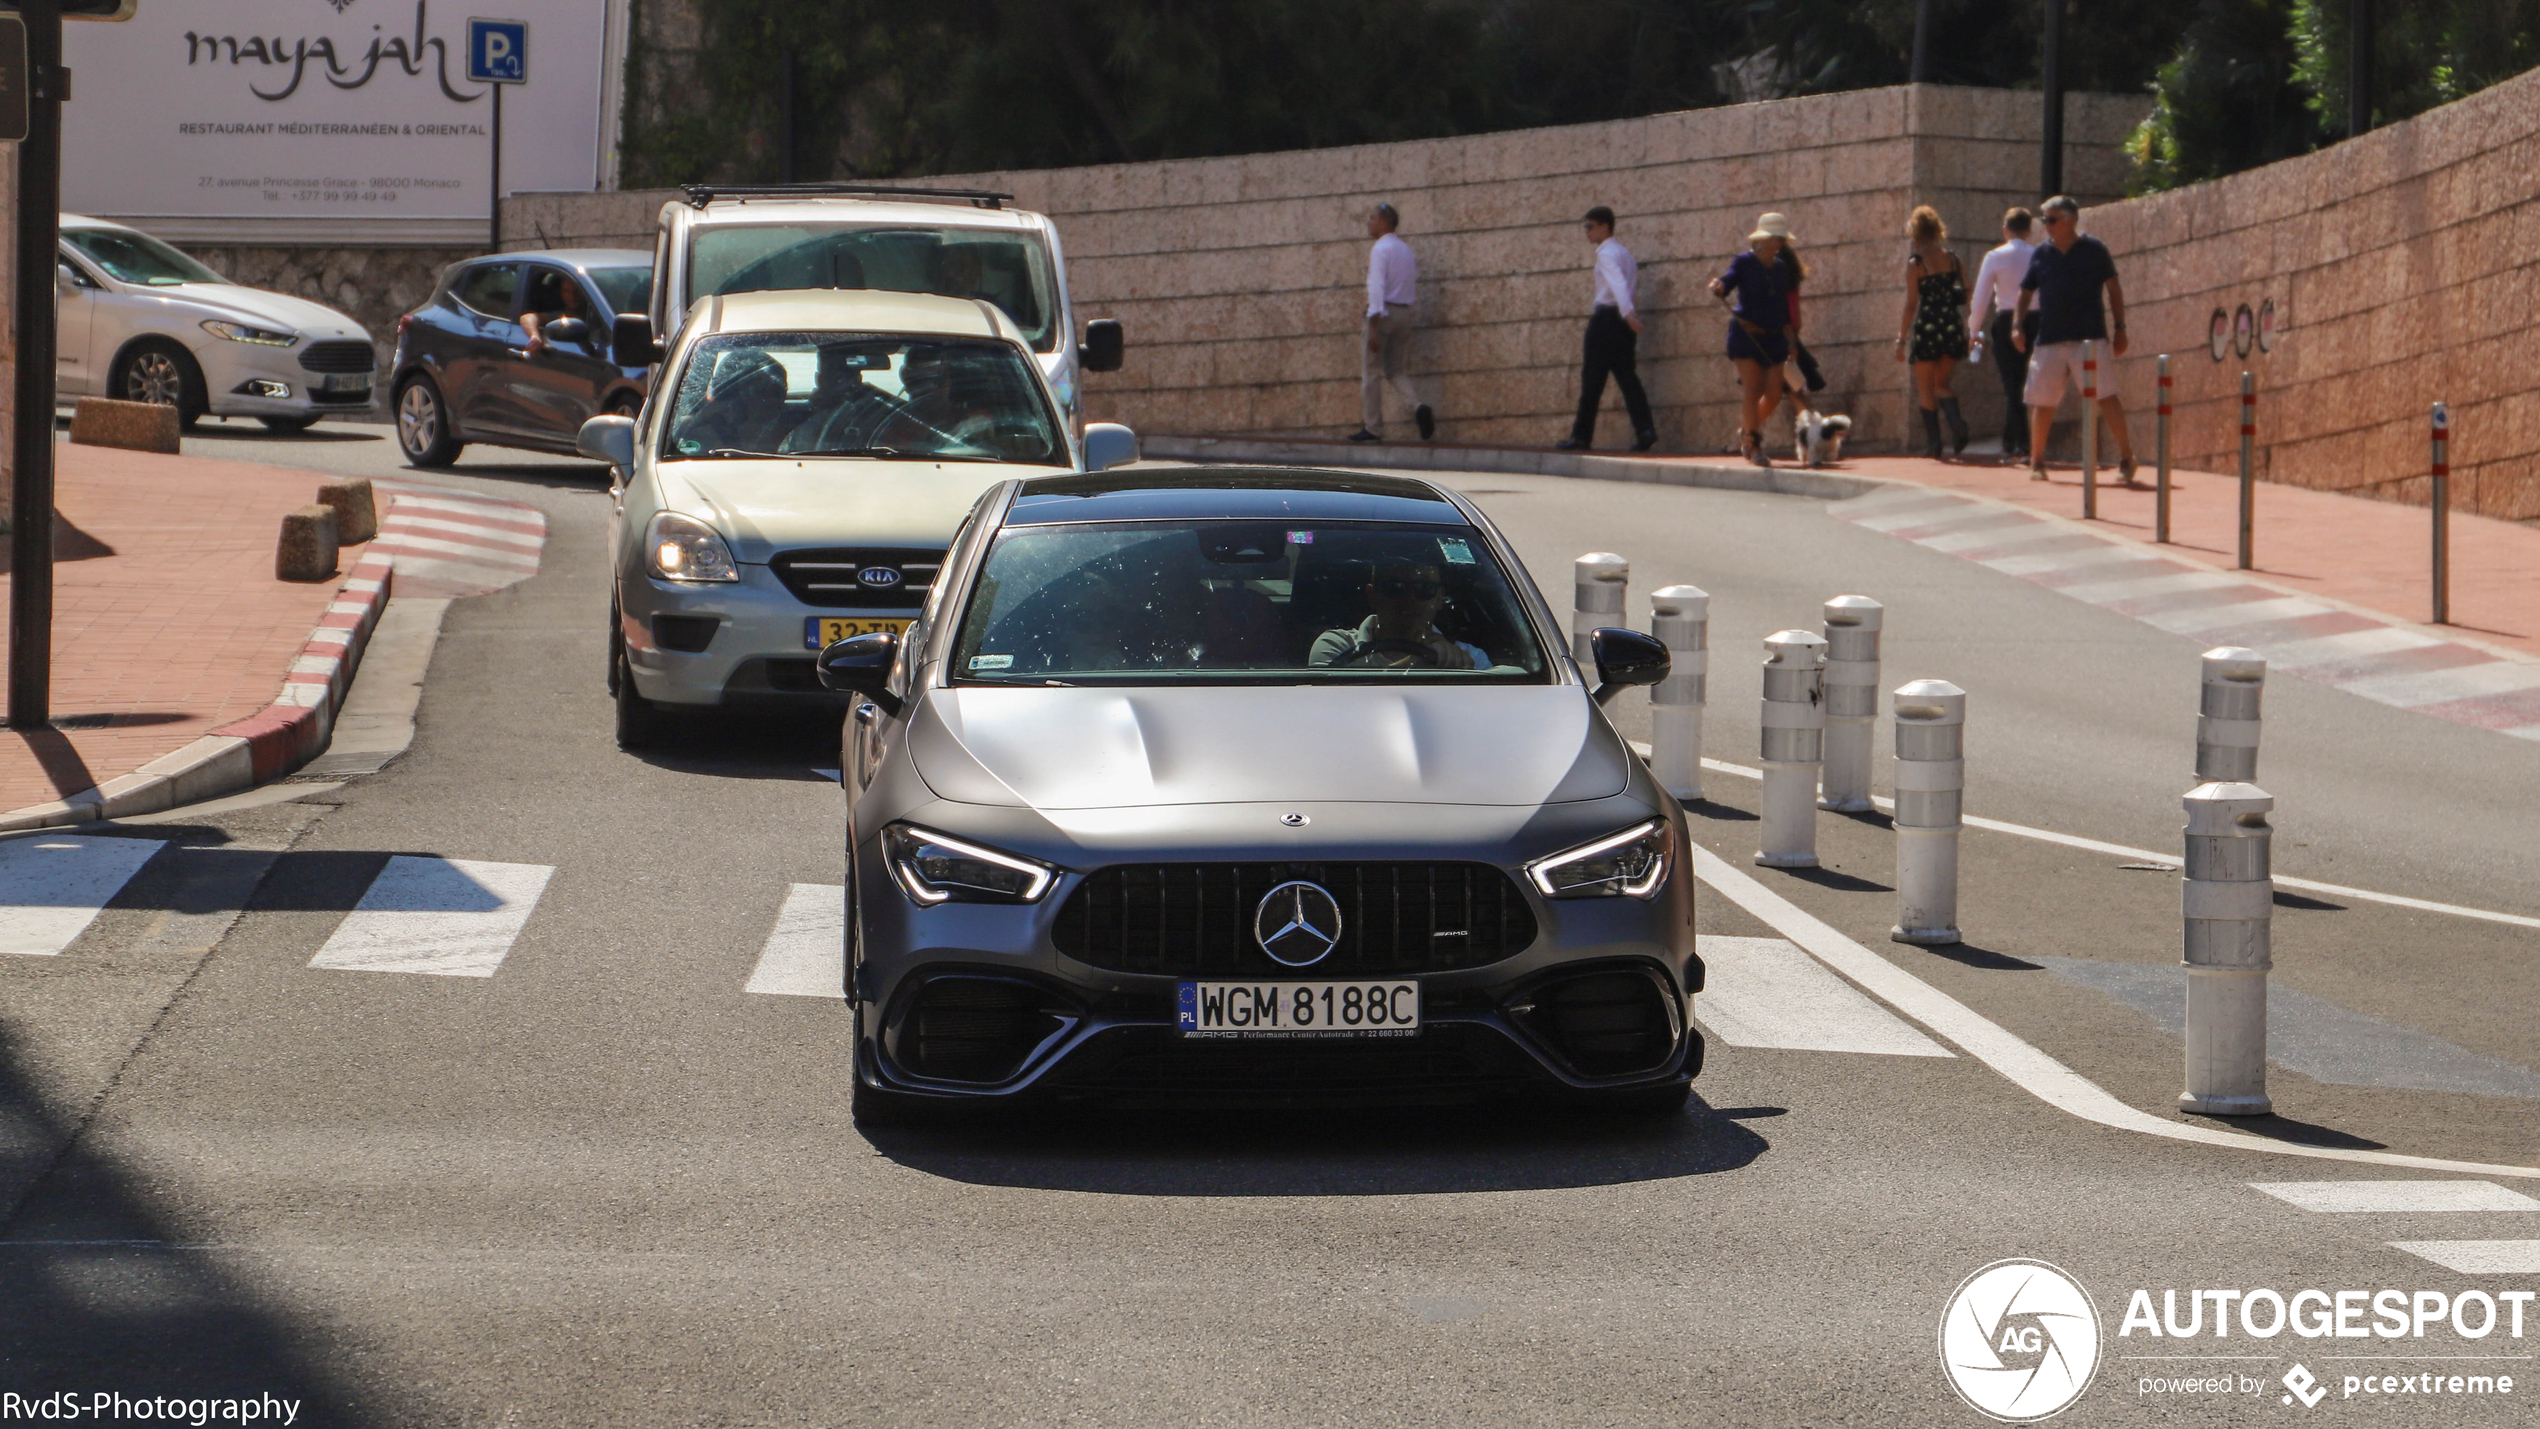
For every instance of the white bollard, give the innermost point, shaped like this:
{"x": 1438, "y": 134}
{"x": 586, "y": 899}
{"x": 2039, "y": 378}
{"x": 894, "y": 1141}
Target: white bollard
{"x": 1852, "y": 700}
{"x": 1681, "y": 620}
{"x": 2227, "y": 712}
{"x": 1794, "y": 746}
{"x": 2227, "y": 906}
{"x": 1601, "y": 578}
{"x": 1931, "y": 782}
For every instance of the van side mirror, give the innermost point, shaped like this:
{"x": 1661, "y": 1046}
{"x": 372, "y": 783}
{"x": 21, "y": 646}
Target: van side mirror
{"x": 1625, "y": 658}
{"x": 861, "y": 665}
{"x": 608, "y": 438}
{"x": 1102, "y": 347}
{"x": 1109, "y": 444}
{"x": 632, "y": 343}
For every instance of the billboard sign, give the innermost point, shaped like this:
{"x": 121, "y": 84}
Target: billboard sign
{"x": 320, "y": 122}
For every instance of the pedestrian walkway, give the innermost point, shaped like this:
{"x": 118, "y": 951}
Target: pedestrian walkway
{"x": 2429, "y": 1198}
{"x": 169, "y": 624}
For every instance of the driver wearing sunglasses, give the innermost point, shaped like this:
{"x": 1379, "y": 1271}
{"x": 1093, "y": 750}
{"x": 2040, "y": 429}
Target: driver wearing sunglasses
{"x": 1402, "y": 631}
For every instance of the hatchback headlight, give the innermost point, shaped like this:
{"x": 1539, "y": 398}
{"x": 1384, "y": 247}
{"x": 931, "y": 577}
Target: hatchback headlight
{"x": 937, "y": 868}
{"x": 1630, "y": 864}
{"x": 260, "y": 336}
{"x": 683, "y": 548}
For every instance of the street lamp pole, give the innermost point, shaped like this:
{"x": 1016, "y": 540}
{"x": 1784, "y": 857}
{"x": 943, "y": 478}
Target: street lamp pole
{"x": 2359, "y": 35}
{"x": 2050, "y": 158}
{"x": 31, "y": 437}
{"x": 1920, "y": 73}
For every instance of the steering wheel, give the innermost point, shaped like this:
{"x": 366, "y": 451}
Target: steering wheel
{"x": 1419, "y": 652}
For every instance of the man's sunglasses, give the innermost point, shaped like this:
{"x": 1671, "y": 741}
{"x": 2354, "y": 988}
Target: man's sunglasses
{"x": 1411, "y": 589}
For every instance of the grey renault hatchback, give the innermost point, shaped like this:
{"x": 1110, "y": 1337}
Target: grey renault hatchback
{"x": 1257, "y": 787}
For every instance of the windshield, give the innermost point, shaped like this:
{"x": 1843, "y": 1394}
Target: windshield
{"x": 834, "y": 394}
{"x": 130, "y": 257}
{"x": 1011, "y": 270}
{"x": 625, "y": 290}
{"x": 1160, "y": 602}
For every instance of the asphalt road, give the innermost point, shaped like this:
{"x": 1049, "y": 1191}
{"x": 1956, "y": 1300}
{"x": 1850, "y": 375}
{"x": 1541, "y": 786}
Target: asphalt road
{"x": 608, "y": 1186}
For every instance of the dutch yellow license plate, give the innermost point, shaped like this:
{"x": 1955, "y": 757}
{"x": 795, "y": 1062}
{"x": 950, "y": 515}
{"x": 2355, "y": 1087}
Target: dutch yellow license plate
{"x": 820, "y": 631}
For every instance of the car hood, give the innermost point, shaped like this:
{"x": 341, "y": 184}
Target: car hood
{"x": 259, "y": 308}
{"x": 1090, "y": 748}
{"x": 763, "y": 507}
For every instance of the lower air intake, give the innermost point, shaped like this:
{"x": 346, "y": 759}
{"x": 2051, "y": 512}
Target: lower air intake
{"x": 1610, "y": 1023}
{"x": 973, "y": 1029}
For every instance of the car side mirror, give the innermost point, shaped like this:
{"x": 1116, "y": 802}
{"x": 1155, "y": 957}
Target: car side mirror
{"x": 1625, "y": 658}
{"x": 566, "y": 330}
{"x": 632, "y": 343}
{"x": 861, "y": 665}
{"x": 64, "y": 278}
{"x": 1109, "y": 444}
{"x": 1102, "y": 348}
{"x": 608, "y": 438}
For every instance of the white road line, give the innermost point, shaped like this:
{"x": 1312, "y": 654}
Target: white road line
{"x": 807, "y": 954}
{"x": 395, "y": 539}
{"x": 2028, "y": 1068}
{"x": 2205, "y": 619}
{"x": 1896, "y": 515}
{"x": 2005, "y": 535}
{"x": 2049, "y": 562}
{"x": 1765, "y": 992}
{"x": 2397, "y": 1197}
{"x": 451, "y": 917}
{"x": 2351, "y": 645}
{"x": 471, "y": 529}
{"x": 52, "y": 888}
{"x": 2110, "y": 592}
{"x": 2334, "y": 890}
{"x": 2433, "y": 687}
{"x": 2478, "y": 1257}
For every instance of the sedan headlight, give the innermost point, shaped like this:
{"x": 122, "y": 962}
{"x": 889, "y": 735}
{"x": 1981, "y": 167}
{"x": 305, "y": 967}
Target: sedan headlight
{"x": 1630, "y": 864}
{"x": 683, "y": 548}
{"x": 937, "y": 868}
{"x": 260, "y": 336}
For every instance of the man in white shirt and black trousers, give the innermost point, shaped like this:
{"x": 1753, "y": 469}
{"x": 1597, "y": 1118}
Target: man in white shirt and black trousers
{"x": 1613, "y": 340}
{"x": 1393, "y": 285}
{"x": 1997, "y": 296}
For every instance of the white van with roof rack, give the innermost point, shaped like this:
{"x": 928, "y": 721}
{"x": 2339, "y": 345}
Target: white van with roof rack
{"x": 722, "y": 239}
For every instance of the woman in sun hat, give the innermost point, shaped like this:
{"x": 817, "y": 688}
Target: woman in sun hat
{"x": 1761, "y": 288}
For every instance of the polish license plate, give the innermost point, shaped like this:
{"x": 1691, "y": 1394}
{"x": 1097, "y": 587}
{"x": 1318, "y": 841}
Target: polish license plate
{"x": 1300, "y": 1010}
{"x": 344, "y": 382}
{"x": 824, "y": 630}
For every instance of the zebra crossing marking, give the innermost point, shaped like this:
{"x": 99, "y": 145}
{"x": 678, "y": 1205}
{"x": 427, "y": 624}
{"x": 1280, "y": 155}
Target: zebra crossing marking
{"x": 1766, "y": 992}
{"x": 2477, "y": 1257}
{"x": 806, "y": 955}
{"x": 52, "y": 888}
{"x": 449, "y": 917}
{"x": 2397, "y": 1197}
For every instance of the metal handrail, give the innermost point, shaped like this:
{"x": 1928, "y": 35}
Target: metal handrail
{"x": 699, "y": 195}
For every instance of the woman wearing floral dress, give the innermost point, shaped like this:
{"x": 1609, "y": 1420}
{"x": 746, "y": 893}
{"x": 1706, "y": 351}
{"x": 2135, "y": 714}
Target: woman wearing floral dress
{"x": 1934, "y": 327}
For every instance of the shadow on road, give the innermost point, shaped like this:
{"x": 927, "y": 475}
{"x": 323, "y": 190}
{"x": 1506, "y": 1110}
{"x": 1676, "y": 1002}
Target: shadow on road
{"x": 1252, "y": 1153}
{"x": 105, "y": 1295}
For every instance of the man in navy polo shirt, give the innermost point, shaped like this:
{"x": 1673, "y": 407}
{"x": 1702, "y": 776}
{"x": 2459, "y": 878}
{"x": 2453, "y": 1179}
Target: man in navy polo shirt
{"x": 2063, "y": 286}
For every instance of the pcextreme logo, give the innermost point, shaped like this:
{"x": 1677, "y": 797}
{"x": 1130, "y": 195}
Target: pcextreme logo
{"x": 2019, "y": 1341}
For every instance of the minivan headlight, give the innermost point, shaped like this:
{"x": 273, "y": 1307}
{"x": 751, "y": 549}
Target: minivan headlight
{"x": 1630, "y": 864}
{"x": 240, "y": 332}
{"x": 934, "y": 868}
{"x": 683, "y": 548}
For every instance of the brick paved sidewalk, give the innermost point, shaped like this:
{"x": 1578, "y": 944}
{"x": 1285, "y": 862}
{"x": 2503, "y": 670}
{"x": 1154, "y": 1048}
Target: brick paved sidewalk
{"x": 167, "y": 620}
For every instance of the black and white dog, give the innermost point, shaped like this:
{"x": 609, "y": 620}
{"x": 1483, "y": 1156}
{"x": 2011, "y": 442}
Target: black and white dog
{"x": 1820, "y": 436}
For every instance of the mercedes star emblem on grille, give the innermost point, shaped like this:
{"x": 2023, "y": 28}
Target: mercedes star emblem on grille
{"x": 1298, "y": 923}
{"x": 1295, "y": 821}
{"x": 878, "y": 577}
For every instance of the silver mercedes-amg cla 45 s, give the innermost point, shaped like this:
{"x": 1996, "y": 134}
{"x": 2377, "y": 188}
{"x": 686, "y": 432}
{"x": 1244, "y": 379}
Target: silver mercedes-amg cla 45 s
{"x": 1253, "y": 786}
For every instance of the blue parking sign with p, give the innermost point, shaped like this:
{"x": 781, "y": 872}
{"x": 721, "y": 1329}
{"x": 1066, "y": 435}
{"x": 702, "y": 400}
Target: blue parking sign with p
{"x": 498, "y": 51}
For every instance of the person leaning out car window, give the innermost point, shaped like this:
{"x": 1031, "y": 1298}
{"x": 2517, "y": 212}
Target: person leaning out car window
{"x": 552, "y": 295}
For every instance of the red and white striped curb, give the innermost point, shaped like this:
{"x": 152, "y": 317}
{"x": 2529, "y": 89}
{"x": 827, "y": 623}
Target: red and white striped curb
{"x": 2381, "y": 659}
{"x": 448, "y": 542}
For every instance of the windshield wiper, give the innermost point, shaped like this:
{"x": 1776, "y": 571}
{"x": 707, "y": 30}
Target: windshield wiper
{"x": 739, "y": 451}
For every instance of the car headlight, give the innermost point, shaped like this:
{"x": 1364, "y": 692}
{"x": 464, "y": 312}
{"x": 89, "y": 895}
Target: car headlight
{"x": 683, "y": 548}
{"x": 937, "y": 868}
{"x": 1630, "y": 864}
{"x": 240, "y": 332}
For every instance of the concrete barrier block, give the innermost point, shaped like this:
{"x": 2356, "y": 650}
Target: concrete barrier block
{"x": 356, "y": 512}
{"x": 307, "y": 549}
{"x": 134, "y": 426}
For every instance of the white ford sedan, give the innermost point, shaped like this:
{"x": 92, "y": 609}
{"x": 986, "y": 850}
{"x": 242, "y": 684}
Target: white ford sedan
{"x": 142, "y": 322}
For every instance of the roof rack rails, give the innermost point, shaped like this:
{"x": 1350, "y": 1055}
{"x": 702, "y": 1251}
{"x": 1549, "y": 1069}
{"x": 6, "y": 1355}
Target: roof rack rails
{"x": 699, "y": 195}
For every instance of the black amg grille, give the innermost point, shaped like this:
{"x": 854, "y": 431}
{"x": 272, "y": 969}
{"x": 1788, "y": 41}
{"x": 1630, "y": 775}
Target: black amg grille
{"x": 1196, "y": 919}
{"x": 832, "y": 577}
{"x": 346, "y": 356}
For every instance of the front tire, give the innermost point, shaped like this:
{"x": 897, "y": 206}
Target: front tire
{"x": 639, "y": 720}
{"x": 423, "y": 424}
{"x": 162, "y": 373}
{"x": 285, "y": 426}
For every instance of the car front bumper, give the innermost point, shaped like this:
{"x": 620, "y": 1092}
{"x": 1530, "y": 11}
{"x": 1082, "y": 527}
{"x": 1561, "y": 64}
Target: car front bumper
{"x": 244, "y": 379}
{"x": 756, "y": 653}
